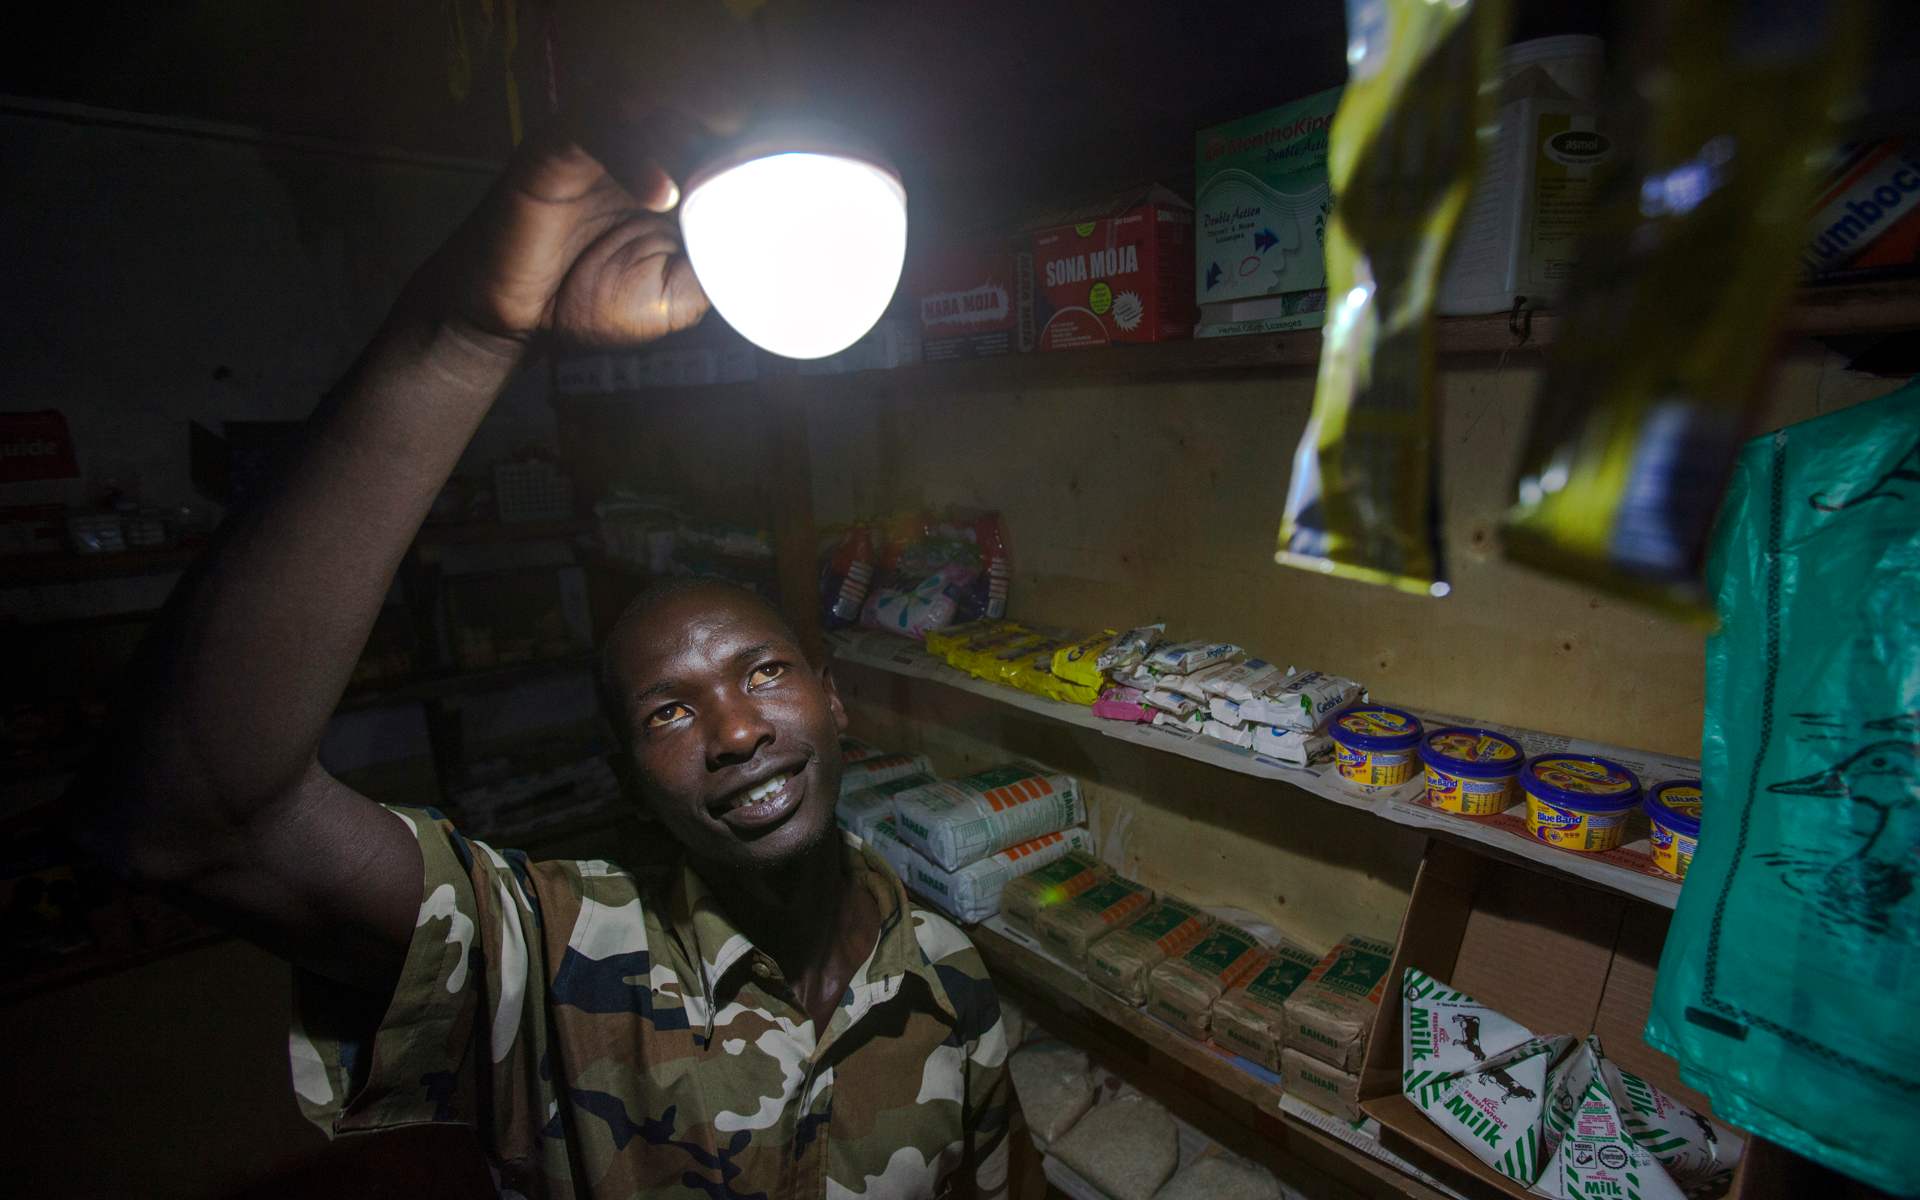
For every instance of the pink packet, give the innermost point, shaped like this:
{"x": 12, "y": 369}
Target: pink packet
{"x": 1123, "y": 704}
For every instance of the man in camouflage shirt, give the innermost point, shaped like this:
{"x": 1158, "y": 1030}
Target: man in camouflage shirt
{"x": 774, "y": 1020}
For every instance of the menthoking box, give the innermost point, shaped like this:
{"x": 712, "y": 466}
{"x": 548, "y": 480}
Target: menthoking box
{"x": 1261, "y": 200}
{"x": 1116, "y": 274}
{"x": 976, "y": 300}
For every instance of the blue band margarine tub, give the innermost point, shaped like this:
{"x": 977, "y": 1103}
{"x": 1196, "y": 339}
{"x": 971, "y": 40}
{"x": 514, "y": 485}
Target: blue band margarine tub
{"x": 1471, "y": 771}
{"x": 1673, "y": 809}
{"x": 1577, "y": 801}
{"x": 1373, "y": 745}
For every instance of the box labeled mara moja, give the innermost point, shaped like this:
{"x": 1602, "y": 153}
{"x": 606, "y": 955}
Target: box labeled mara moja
{"x": 1116, "y": 278}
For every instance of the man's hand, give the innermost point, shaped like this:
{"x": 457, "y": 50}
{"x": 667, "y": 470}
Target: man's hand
{"x": 568, "y": 244}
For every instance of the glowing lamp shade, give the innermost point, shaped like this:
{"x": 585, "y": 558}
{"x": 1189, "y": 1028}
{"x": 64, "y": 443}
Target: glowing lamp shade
{"x": 799, "y": 251}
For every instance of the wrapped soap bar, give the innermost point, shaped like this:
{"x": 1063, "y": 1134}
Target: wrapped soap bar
{"x": 1294, "y": 747}
{"x": 1068, "y": 929}
{"x": 1184, "y": 658}
{"x": 1250, "y": 1020}
{"x": 1124, "y": 704}
{"x": 1120, "y": 961}
{"x": 1181, "y": 991}
{"x": 1302, "y": 701}
{"x": 1244, "y": 680}
{"x": 1232, "y": 735}
{"x": 858, "y": 810}
{"x": 1192, "y": 723}
{"x": 1173, "y": 702}
{"x": 1197, "y": 685}
{"x": 1130, "y": 649}
{"x": 1055, "y": 883}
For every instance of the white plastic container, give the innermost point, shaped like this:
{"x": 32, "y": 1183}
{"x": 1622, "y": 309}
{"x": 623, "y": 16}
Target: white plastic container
{"x": 1521, "y": 231}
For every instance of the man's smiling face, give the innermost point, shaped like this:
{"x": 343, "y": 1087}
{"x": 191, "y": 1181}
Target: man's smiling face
{"x": 734, "y": 738}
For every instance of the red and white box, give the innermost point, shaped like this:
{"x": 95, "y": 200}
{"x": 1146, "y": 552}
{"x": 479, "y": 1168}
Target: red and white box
{"x": 975, "y": 301}
{"x": 1120, "y": 273}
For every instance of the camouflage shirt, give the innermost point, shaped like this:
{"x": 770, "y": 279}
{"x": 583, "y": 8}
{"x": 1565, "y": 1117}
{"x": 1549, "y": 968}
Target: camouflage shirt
{"x": 611, "y": 1038}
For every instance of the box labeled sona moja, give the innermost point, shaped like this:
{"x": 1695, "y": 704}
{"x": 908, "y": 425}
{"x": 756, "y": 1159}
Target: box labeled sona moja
{"x": 1117, "y": 277}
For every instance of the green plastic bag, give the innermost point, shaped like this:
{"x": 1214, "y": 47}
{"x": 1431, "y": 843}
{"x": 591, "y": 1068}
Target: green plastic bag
{"x": 1790, "y": 984}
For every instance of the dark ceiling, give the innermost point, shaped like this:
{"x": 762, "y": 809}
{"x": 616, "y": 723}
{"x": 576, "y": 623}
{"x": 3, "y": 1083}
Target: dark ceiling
{"x": 987, "y": 105}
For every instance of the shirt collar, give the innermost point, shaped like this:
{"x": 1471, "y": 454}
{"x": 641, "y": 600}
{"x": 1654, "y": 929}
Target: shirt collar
{"x": 707, "y": 933}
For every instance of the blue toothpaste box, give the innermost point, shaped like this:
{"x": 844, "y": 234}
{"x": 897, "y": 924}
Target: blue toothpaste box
{"x": 1260, "y": 216}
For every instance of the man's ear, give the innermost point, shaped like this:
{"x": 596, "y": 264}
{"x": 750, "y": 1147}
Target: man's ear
{"x": 834, "y": 704}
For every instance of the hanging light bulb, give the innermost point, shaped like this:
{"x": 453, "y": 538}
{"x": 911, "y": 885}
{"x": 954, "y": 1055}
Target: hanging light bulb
{"x": 797, "y": 241}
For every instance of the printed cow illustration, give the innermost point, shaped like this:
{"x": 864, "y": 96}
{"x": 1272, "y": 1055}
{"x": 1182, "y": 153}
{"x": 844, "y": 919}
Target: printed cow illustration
{"x": 1470, "y": 1034}
{"x": 1506, "y": 1083}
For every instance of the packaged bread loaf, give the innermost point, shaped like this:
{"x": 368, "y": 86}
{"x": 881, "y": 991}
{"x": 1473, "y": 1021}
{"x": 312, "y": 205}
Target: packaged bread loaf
{"x": 1181, "y": 991}
{"x": 860, "y": 809}
{"x": 877, "y": 769}
{"x": 1055, "y": 883}
{"x": 1055, "y": 1085}
{"x": 1068, "y": 929}
{"x": 1323, "y": 1086}
{"x": 1250, "y": 1020}
{"x": 1329, "y": 1014}
{"x": 958, "y": 821}
{"x": 1120, "y": 961}
{"x": 1126, "y": 1147}
{"x": 973, "y": 892}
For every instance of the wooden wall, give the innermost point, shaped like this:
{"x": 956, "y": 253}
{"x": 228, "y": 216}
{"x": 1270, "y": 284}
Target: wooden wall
{"x": 1146, "y": 502}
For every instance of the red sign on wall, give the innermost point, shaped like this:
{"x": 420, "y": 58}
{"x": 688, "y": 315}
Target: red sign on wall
{"x": 36, "y": 445}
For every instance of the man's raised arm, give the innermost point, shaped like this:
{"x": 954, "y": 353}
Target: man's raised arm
{"x": 209, "y": 784}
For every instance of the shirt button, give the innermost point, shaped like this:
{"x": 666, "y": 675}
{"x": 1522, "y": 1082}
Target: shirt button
{"x": 762, "y": 970}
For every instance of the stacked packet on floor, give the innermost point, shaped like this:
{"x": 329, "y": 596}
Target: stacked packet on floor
{"x": 1327, "y": 1019}
{"x": 1551, "y": 1113}
{"x": 1280, "y": 714}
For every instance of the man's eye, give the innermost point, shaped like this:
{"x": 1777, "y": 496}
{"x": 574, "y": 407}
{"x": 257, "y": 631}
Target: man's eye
{"x": 766, "y": 674}
{"x": 666, "y": 715}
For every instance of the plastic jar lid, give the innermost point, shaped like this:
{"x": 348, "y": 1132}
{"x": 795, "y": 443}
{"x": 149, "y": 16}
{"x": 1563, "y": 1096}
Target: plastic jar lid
{"x": 1676, "y": 804}
{"x": 1473, "y": 753}
{"x": 1581, "y": 782}
{"x": 1375, "y": 727}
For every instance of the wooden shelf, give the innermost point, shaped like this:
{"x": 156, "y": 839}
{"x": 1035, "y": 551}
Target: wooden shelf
{"x": 1289, "y": 1125}
{"x": 75, "y": 568}
{"x": 1824, "y": 311}
{"x": 1627, "y": 870}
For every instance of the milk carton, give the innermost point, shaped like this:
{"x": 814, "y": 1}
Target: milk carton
{"x": 1260, "y": 211}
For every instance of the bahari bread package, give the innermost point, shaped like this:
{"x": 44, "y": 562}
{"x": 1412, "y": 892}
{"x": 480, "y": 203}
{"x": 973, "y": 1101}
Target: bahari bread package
{"x": 1250, "y": 1020}
{"x": 1329, "y": 1014}
{"x": 1055, "y": 883}
{"x": 1120, "y": 961}
{"x": 1182, "y": 991}
{"x": 1068, "y": 929}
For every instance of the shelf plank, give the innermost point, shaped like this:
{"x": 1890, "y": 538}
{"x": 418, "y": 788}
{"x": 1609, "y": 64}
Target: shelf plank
{"x": 26, "y": 570}
{"x": 1885, "y": 307}
{"x": 1627, "y": 871}
{"x": 1017, "y": 963}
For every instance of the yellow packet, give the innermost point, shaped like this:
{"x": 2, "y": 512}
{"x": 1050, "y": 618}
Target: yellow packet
{"x": 942, "y": 642}
{"x": 967, "y": 655}
{"x": 1402, "y": 158}
{"x": 1080, "y": 662}
{"x": 1655, "y": 377}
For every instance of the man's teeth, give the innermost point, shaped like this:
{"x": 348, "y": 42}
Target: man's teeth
{"x": 761, "y": 793}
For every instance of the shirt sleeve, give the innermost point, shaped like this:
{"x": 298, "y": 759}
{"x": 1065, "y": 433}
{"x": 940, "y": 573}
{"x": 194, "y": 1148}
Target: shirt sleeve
{"x": 464, "y": 1036}
{"x": 991, "y": 1110}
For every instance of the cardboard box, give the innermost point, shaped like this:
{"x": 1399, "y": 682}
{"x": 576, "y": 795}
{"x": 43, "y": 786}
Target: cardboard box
{"x": 1329, "y": 1015}
{"x": 1261, "y": 199}
{"x": 1552, "y": 954}
{"x": 975, "y": 302}
{"x": 1116, "y": 273}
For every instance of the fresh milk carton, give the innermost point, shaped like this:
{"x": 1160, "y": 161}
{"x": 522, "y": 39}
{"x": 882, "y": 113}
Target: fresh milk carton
{"x": 1260, "y": 219}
